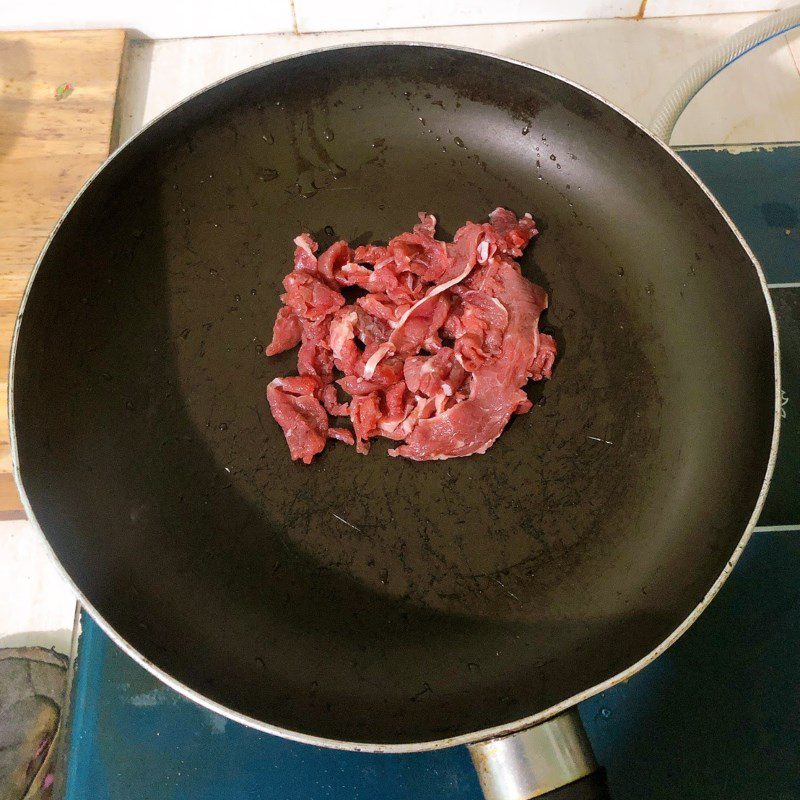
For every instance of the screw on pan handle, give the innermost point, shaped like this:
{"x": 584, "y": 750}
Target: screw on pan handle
{"x": 553, "y": 760}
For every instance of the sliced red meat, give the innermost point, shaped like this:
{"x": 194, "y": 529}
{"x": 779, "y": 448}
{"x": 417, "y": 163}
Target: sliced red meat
{"x": 462, "y": 255}
{"x": 452, "y": 327}
{"x": 420, "y": 254}
{"x": 342, "y": 434}
{"x": 355, "y": 386}
{"x": 524, "y": 407}
{"x": 400, "y": 287}
{"x": 513, "y": 234}
{"x": 473, "y": 425}
{"x": 330, "y": 399}
{"x": 370, "y": 330}
{"x": 370, "y": 254}
{"x": 286, "y": 332}
{"x": 380, "y": 307}
{"x": 303, "y": 419}
{"x": 331, "y": 262}
{"x": 423, "y": 408}
{"x": 341, "y": 339}
{"x": 309, "y": 297}
{"x": 403, "y": 381}
{"x": 352, "y": 274}
{"x": 434, "y": 375}
{"x": 314, "y": 359}
{"x": 304, "y": 258}
{"x": 365, "y": 413}
{"x": 542, "y": 365}
{"x": 298, "y": 384}
{"x": 386, "y": 374}
{"x": 395, "y": 408}
{"x": 426, "y": 224}
{"x": 484, "y": 320}
{"x": 377, "y": 354}
{"x": 394, "y": 400}
{"x": 421, "y": 326}
{"x": 376, "y": 367}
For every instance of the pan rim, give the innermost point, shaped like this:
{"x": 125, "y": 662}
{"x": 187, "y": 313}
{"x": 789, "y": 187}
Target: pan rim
{"x": 473, "y": 736}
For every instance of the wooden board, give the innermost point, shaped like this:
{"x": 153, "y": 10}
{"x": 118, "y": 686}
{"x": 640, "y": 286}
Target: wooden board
{"x": 51, "y": 141}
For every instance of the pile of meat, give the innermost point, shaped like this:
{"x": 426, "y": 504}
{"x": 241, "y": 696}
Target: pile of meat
{"x": 434, "y": 353}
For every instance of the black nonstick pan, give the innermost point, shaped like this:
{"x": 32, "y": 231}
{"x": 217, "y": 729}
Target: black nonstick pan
{"x": 369, "y": 602}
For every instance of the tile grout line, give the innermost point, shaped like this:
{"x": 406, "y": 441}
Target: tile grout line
{"x": 791, "y": 52}
{"x": 776, "y": 528}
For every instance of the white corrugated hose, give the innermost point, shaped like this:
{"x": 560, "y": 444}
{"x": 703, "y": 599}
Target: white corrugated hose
{"x": 696, "y": 77}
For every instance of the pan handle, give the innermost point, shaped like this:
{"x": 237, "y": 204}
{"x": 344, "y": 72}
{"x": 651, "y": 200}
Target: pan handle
{"x": 592, "y": 787}
{"x": 553, "y": 760}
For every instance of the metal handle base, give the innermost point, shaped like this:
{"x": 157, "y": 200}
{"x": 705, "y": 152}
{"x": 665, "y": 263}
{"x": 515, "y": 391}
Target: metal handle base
{"x": 535, "y": 761}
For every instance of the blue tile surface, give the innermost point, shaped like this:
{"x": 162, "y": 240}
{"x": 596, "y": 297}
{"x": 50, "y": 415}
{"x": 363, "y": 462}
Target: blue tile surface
{"x": 717, "y": 716}
{"x": 132, "y": 738}
{"x": 760, "y": 189}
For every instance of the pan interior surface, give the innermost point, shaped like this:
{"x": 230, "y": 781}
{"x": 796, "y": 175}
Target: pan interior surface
{"x": 370, "y": 599}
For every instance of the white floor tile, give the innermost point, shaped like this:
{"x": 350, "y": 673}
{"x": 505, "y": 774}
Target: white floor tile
{"x": 37, "y": 606}
{"x": 632, "y": 63}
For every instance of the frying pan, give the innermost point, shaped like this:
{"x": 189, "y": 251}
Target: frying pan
{"x": 368, "y": 602}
